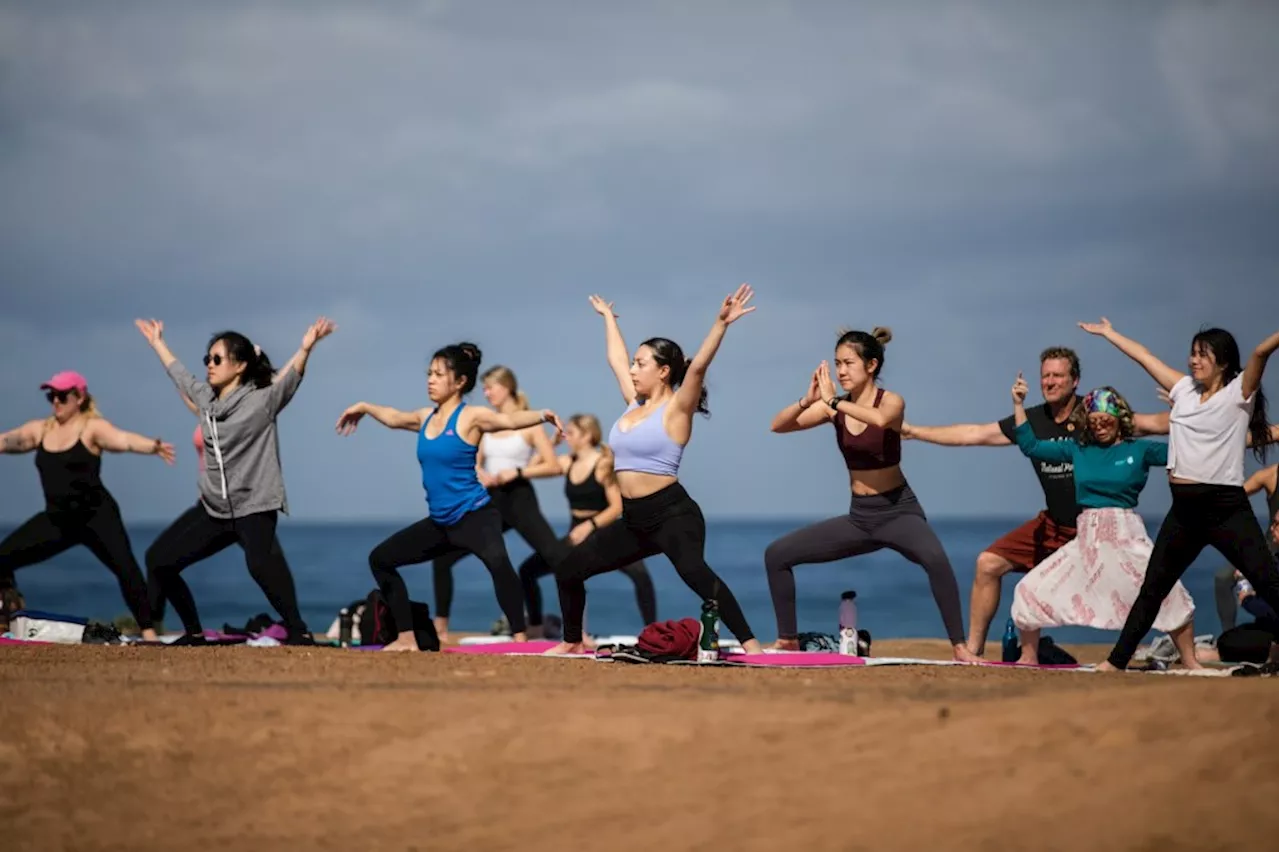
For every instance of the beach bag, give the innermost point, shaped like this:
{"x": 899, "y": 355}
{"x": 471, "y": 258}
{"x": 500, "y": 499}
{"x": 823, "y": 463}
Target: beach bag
{"x": 35, "y": 626}
{"x": 377, "y": 626}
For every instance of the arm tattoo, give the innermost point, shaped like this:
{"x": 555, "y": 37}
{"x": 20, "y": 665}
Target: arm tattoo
{"x": 18, "y": 443}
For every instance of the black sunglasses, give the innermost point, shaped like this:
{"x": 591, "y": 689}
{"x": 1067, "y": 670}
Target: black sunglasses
{"x": 59, "y": 396}
{"x": 215, "y": 360}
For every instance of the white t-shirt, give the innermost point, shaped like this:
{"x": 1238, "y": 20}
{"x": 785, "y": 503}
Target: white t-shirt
{"x": 1207, "y": 440}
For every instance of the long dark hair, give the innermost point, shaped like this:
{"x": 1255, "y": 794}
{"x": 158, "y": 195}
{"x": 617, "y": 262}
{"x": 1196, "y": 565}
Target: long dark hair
{"x": 1222, "y": 345}
{"x": 667, "y": 353}
{"x": 258, "y": 370}
{"x": 463, "y": 360}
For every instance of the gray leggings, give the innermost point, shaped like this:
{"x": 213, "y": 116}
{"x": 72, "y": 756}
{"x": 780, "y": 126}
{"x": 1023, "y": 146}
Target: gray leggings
{"x": 894, "y": 520}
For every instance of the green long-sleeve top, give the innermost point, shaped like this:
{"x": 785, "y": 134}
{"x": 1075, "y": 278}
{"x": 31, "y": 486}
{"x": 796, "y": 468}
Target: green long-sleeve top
{"x": 1106, "y": 477}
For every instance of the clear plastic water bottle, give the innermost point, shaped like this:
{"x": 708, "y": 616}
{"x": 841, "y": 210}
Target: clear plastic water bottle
{"x": 1010, "y": 649}
{"x": 1243, "y": 587}
{"x": 849, "y": 624}
{"x": 709, "y": 641}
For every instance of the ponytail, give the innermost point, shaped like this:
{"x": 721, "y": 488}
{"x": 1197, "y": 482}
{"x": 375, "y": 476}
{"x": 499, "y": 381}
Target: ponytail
{"x": 258, "y": 371}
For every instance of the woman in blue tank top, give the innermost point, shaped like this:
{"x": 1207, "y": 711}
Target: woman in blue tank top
{"x": 461, "y": 516}
{"x": 662, "y": 390}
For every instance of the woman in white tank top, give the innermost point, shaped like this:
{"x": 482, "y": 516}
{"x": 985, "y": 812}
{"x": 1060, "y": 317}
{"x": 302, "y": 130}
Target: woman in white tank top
{"x": 500, "y": 466}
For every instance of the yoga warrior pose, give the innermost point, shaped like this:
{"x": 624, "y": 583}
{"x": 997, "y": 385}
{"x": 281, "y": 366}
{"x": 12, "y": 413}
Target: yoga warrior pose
{"x": 462, "y": 515}
{"x": 1037, "y": 539}
{"x": 1213, "y": 409}
{"x": 595, "y": 501}
{"x": 662, "y": 391}
{"x": 241, "y": 486}
{"x": 883, "y": 510}
{"x": 501, "y": 462}
{"x": 78, "y": 508}
{"x": 1091, "y": 581}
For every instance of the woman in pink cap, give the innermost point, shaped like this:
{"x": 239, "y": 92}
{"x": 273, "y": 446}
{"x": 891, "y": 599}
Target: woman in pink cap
{"x": 78, "y": 508}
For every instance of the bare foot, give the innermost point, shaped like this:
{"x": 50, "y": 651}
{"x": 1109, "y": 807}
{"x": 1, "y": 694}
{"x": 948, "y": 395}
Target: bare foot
{"x": 753, "y": 646}
{"x": 563, "y": 649}
{"x": 407, "y": 642}
{"x": 1028, "y": 661}
{"x": 961, "y": 653}
{"x": 778, "y": 645}
{"x": 1194, "y": 664}
{"x": 1104, "y": 666}
{"x": 520, "y": 637}
{"x": 149, "y": 635}
{"x": 442, "y": 628}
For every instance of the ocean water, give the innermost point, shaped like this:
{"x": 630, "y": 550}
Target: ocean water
{"x": 330, "y": 567}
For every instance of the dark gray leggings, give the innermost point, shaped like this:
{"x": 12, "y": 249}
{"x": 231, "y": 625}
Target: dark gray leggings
{"x": 894, "y": 520}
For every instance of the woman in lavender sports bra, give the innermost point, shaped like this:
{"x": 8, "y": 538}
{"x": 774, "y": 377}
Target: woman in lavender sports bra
{"x": 662, "y": 390}
{"x": 883, "y": 510}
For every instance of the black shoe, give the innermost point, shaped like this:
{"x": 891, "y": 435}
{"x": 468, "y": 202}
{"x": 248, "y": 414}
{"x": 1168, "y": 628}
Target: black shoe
{"x": 191, "y": 639}
{"x": 300, "y": 638}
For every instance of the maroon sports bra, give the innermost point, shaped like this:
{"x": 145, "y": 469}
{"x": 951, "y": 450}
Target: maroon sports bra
{"x": 874, "y": 449}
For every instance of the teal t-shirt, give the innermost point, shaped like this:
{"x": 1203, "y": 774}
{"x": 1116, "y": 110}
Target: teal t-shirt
{"x": 1106, "y": 477}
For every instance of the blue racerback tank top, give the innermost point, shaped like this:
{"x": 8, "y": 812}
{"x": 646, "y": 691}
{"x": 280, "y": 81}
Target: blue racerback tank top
{"x": 449, "y": 473}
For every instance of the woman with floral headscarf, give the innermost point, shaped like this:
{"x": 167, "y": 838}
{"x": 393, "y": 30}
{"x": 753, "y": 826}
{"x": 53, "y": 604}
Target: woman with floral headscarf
{"x": 1094, "y": 580}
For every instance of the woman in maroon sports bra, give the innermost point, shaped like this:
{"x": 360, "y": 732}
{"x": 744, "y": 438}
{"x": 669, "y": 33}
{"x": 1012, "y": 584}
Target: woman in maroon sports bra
{"x": 883, "y": 511}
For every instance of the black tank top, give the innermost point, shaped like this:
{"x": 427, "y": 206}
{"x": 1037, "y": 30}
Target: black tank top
{"x": 585, "y": 496}
{"x": 71, "y": 479}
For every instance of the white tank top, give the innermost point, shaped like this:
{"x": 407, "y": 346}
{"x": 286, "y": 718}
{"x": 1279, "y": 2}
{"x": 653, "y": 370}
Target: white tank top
{"x": 505, "y": 453}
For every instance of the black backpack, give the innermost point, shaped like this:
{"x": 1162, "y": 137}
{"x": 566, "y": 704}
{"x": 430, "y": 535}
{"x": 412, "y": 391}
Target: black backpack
{"x": 378, "y": 627}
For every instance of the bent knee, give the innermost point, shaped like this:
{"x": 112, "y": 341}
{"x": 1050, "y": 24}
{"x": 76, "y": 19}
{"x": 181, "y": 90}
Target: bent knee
{"x": 779, "y": 557}
{"x": 992, "y": 565}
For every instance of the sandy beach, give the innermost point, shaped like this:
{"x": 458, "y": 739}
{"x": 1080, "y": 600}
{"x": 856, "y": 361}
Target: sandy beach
{"x": 136, "y": 748}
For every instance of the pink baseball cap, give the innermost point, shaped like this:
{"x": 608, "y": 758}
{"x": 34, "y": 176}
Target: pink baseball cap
{"x": 65, "y": 381}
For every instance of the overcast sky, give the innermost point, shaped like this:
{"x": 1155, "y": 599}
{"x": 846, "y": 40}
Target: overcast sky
{"x": 979, "y": 176}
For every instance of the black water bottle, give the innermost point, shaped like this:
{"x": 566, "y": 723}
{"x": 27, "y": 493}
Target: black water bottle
{"x": 345, "y": 620}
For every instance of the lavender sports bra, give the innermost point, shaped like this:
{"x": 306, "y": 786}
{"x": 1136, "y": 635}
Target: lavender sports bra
{"x": 646, "y": 448}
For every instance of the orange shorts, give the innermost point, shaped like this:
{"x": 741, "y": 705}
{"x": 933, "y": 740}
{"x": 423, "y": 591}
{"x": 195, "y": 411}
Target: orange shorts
{"x": 1032, "y": 543}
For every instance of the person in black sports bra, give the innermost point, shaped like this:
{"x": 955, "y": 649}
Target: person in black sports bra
{"x": 595, "y": 501}
{"x": 78, "y": 508}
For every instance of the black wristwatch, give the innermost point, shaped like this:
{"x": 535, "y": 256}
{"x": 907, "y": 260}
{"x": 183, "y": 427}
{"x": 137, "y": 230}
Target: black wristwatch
{"x": 833, "y": 402}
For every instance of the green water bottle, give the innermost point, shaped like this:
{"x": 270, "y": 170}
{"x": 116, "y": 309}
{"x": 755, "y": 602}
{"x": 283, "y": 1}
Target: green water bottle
{"x": 709, "y": 638}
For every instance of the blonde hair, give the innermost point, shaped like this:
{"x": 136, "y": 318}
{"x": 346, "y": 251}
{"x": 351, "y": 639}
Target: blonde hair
{"x": 589, "y": 424}
{"x": 503, "y": 376}
{"x": 88, "y": 408}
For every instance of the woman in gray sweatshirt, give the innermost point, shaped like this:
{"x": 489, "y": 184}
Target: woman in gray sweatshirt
{"x": 241, "y": 485}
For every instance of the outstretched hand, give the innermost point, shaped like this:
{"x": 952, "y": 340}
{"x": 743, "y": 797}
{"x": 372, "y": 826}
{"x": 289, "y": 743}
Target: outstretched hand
{"x": 152, "y": 330}
{"x": 1102, "y": 326}
{"x": 165, "y": 451}
{"x": 734, "y": 306}
{"x": 603, "y": 308}
{"x": 319, "y": 330}
{"x": 826, "y": 387}
{"x": 347, "y": 422}
{"x": 549, "y": 416}
{"x": 1019, "y": 389}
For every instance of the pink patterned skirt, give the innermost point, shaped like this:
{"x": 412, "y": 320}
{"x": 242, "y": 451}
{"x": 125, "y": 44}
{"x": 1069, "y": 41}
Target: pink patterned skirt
{"x": 1094, "y": 579}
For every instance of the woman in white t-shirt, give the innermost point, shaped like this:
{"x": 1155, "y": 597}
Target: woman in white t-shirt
{"x": 1215, "y": 410}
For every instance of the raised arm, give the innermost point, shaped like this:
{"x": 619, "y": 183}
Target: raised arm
{"x": 958, "y": 434}
{"x": 1026, "y": 439}
{"x": 105, "y": 436}
{"x": 1164, "y": 375}
{"x": 803, "y": 413}
{"x": 24, "y": 439}
{"x": 285, "y": 383}
{"x": 1261, "y": 480}
{"x": 392, "y": 418}
{"x": 887, "y": 416}
{"x": 615, "y": 348}
{"x": 187, "y": 384}
{"x": 487, "y": 420}
{"x": 733, "y": 308}
{"x": 191, "y": 406}
{"x": 1257, "y": 365}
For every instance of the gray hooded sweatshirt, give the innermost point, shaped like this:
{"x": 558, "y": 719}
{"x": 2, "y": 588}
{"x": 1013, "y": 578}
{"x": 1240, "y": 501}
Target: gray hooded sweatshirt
{"x": 241, "y": 452}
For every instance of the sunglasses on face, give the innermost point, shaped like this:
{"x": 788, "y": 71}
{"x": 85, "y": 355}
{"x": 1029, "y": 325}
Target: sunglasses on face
{"x": 215, "y": 360}
{"x": 57, "y": 396}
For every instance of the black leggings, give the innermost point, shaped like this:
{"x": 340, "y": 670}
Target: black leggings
{"x": 1202, "y": 515}
{"x": 894, "y": 520}
{"x": 101, "y": 529}
{"x": 517, "y": 503}
{"x": 667, "y": 522}
{"x": 1247, "y": 643}
{"x": 535, "y": 567}
{"x": 197, "y": 535}
{"x": 478, "y": 533}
